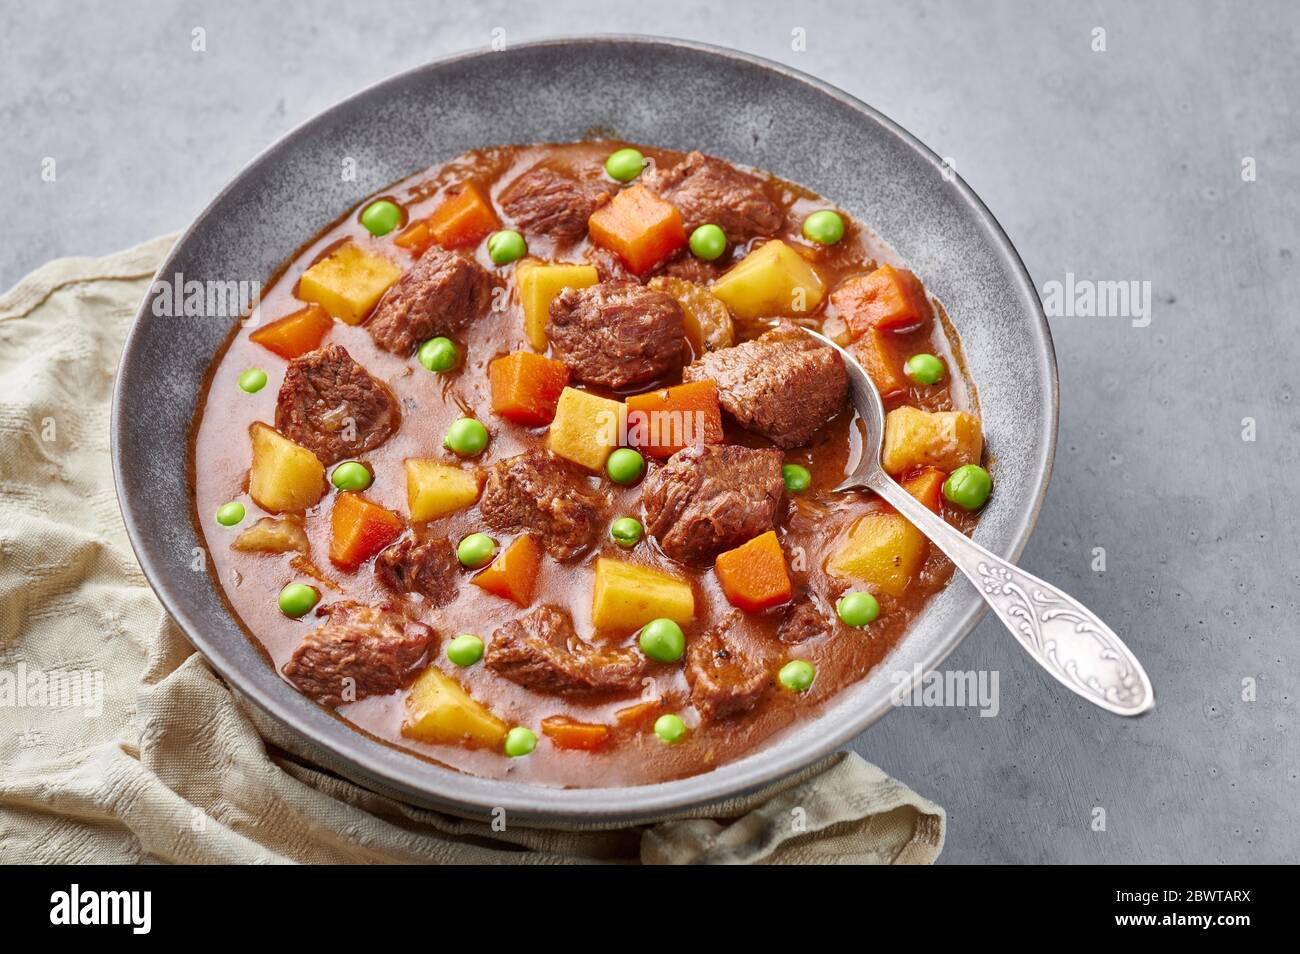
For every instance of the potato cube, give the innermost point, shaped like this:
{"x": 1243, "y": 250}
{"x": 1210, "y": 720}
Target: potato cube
{"x": 772, "y": 280}
{"x": 434, "y": 489}
{"x": 539, "y": 283}
{"x": 626, "y": 596}
{"x": 942, "y": 439}
{"x": 348, "y": 282}
{"x": 882, "y": 550}
{"x": 438, "y": 710}
{"x": 284, "y": 477}
{"x": 707, "y": 322}
{"x": 586, "y": 428}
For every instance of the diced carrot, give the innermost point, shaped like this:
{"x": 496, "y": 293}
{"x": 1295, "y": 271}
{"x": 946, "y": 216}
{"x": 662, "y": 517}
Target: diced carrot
{"x": 641, "y": 227}
{"x": 526, "y": 387}
{"x": 637, "y": 717}
{"x": 888, "y": 298}
{"x": 296, "y": 334}
{"x": 463, "y": 218}
{"x": 568, "y": 733}
{"x": 878, "y": 358}
{"x": 359, "y": 529}
{"x": 753, "y": 575}
{"x": 513, "y": 574}
{"x": 927, "y": 487}
{"x": 663, "y": 422}
{"x": 415, "y": 238}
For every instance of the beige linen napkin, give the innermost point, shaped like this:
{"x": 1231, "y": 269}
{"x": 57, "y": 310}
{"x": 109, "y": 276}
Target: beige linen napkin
{"x": 119, "y": 744}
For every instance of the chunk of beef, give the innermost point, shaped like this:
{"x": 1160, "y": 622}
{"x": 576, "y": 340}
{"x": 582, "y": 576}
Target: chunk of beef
{"x": 619, "y": 334}
{"x": 441, "y": 294}
{"x": 427, "y": 568}
{"x": 803, "y": 621}
{"x": 709, "y": 190}
{"x": 541, "y": 651}
{"x": 784, "y": 384}
{"x": 546, "y": 201}
{"x": 693, "y": 269}
{"x": 332, "y": 406}
{"x": 724, "y": 682}
{"x": 712, "y": 497}
{"x": 541, "y": 493}
{"x": 359, "y": 651}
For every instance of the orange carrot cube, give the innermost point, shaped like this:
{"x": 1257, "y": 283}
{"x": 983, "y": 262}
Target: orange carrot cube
{"x": 753, "y": 575}
{"x": 513, "y": 574}
{"x": 878, "y": 358}
{"x": 888, "y": 298}
{"x": 359, "y": 529}
{"x": 663, "y": 422}
{"x": 526, "y": 387}
{"x": 415, "y": 238}
{"x": 639, "y": 226}
{"x": 463, "y": 218}
{"x": 294, "y": 335}
{"x": 568, "y": 733}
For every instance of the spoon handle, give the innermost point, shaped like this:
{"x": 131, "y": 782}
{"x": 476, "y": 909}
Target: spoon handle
{"x": 1059, "y": 632}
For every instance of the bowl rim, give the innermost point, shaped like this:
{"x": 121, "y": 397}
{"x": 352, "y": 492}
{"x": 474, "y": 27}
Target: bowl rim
{"x": 617, "y": 805}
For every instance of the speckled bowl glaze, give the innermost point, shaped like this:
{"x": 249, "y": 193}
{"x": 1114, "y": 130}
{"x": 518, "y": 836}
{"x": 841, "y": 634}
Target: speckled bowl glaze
{"x": 670, "y": 93}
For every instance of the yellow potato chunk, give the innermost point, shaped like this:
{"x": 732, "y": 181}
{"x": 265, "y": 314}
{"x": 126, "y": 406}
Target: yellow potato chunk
{"x": 348, "y": 282}
{"x": 434, "y": 489}
{"x": 285, "y": 477}
{"x": 773, "y": 279}
{"x": 707, "y": 322}
{"x": 942, "y": 439}
{"x": 626, "y": 596}
{"x": 539, "y": 283}
{"x": 882, "y": 550}
{"x": 439, "y": 710}
{"x": 274, "y": 535}
{"x": 586, "y": 428}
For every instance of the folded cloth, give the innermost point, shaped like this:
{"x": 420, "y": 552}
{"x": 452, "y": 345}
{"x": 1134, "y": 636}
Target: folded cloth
{"x": 119, "y": 744}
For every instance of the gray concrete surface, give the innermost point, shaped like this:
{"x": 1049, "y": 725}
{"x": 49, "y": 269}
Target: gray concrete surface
{"x": 1117, "y": 165}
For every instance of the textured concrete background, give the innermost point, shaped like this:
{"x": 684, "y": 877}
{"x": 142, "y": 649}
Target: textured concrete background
{"x": 1117, "y": 165}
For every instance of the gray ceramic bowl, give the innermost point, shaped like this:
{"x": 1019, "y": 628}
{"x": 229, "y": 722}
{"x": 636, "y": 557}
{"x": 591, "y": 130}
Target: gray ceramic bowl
{"x": 670, "y": 93}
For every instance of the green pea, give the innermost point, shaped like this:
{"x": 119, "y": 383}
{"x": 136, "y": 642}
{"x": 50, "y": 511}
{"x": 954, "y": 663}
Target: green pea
{"x": 438, "y": 354}
{"x": 670, "y": 728}
{"x": 797, "y": 675}
{"x": 625, "y": 466}
{"x": 465, "y": 650}
{"x": 857, "y": 608}
{"x": 381, "y": 217}
{"x": 797, "y": 479}
{"x": 625, "y": 164}
{"x": 475, "y": 550}
{"x": 466, "y": 437}
{"x": 924, "y": 369}
{"x": 252, "y": 380}
{"x": 968, "y": 487}
{"x": 520, "y": 742}
{"x": 625, "y": 531}
{"x": 229, "y": 514}
{"x": 351, "y": 475}
{"x": 824, "y": 227}
{"x": 297, "y": 599}
{"x": 506, "y": 246}
{"x": 708, "y": 242}
{"x": 662, "y": 640}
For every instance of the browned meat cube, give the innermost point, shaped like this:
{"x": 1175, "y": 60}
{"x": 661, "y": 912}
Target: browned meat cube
{"x": 785, "y": 385}
{"x": 712, "y": 497}
{"x": 332, "y": 406}
{"x": 724, "y": 682}
{"x": 546, "y": 201}
{"x": 708, "y": 190}
{"x": 442, "y": 294}
{"x": 541, "y": 651}
{"x": 359, "y": 651}
{"x": 427, "y": 568}
{"x": 540, "y": 493}
{"x": 803, "y": 620}
{"x": 619, "y": 334}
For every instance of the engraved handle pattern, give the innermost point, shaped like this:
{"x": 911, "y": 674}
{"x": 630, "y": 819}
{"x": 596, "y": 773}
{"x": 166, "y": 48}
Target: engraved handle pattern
{"x": 1066, "y": 638}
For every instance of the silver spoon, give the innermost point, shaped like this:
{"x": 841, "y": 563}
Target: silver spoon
{"x": 1062, "y": 635}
